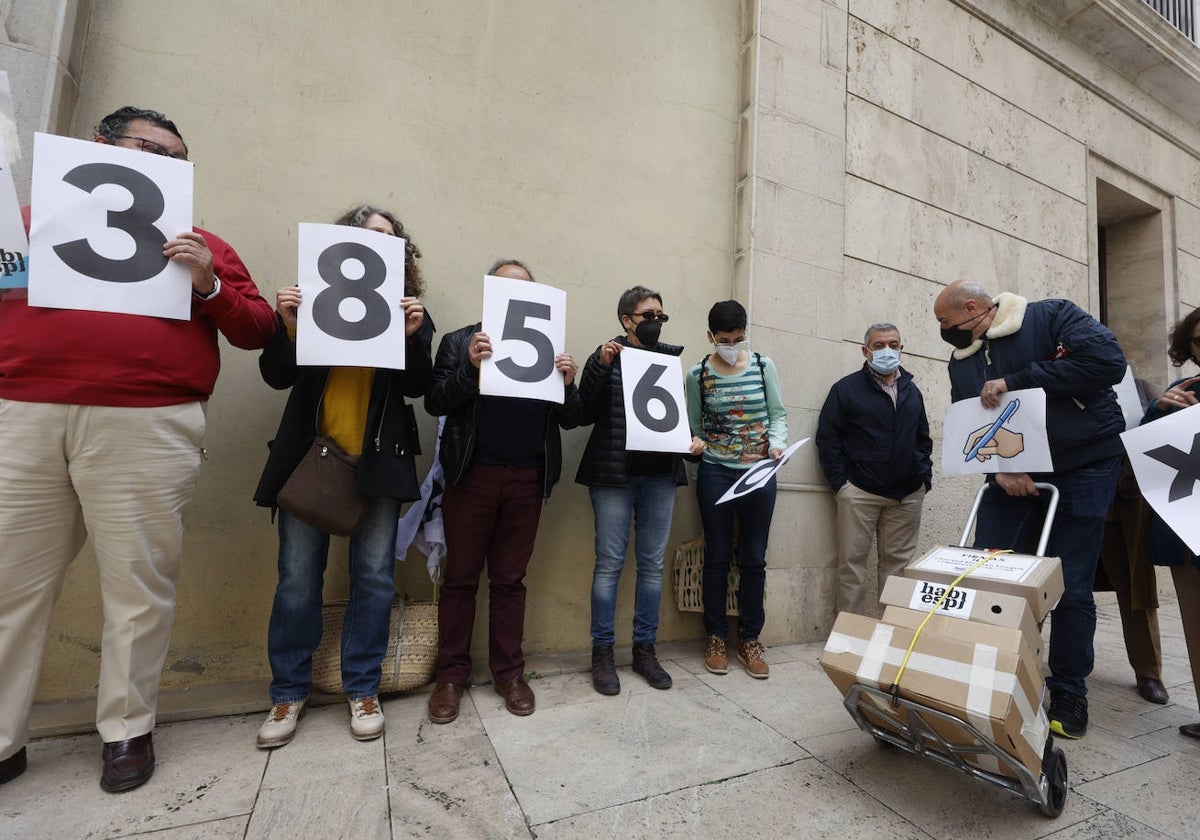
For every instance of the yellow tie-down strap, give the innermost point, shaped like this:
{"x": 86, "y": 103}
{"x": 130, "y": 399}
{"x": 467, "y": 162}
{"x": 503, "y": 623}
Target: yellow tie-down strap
{"x": 895, "y": 690}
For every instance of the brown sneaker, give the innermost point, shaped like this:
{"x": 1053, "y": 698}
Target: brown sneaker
{"x": 715, "y": 659}
{"x": 750, "y": 654}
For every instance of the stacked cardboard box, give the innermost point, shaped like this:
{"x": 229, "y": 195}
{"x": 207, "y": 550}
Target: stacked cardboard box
{"x": 977, "y": 660}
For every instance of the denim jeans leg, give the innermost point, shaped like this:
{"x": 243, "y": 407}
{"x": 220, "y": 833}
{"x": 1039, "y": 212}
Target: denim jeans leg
{"x": 613, "y": 510}
{"x": 712, "y": 480}
{"x": 654, "y": 505}
{"x": 294, "y": 630}
{"x": 372, "y": 588}
{"x": 754, "y": 512}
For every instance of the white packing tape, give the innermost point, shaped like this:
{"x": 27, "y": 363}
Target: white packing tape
{"x": 983, "y": 680}
{"x": 875, "y": 653}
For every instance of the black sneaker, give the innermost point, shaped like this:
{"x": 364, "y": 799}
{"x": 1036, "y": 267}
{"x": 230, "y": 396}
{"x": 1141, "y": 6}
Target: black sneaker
{"x": 1068, "y": 714}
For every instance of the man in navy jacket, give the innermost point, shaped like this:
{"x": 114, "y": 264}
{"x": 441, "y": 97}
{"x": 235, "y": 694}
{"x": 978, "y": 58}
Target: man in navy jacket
{"x": 873, "y": 442}
{"x": 1008, "y": 344}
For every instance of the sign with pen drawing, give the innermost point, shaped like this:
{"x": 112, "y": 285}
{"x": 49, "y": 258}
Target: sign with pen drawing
{"x": 351, "y": 282}
{"x": 758, "y": 475}
{"x": 526, "y": 323}
{"x": 655, "y": 411}
{"x": 100, "y": 217}
{"x": 1165, "y": 456}
{"x": 1010, "y": 438}
{"x": 14, "y": 245}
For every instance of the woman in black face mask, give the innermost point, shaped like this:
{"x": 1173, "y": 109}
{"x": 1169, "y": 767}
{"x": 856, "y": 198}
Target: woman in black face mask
{"x": 626, "y": 487}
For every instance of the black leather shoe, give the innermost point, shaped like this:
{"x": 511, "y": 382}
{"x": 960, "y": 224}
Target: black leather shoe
{"x": 1191, "y": 730}
{"x": 604, "y": 671}
{"x": 645, "y": 662}
{"x": 1152, "y": 690}
{"x": 12, "y": 766}
{"x": 128, "y": 764}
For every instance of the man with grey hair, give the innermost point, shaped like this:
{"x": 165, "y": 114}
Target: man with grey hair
{"x": 874, "y": 445}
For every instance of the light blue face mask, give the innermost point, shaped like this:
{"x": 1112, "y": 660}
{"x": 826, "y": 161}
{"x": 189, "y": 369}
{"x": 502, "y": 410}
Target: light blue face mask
{"x": 884, "y": 360}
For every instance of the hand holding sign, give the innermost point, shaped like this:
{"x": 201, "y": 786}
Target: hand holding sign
{"x": 523, "y": 336}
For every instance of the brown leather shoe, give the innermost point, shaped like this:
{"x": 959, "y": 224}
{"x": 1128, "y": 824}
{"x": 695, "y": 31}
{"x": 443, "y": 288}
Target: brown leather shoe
{"x": 518, "y": 696}
{"x": 443, "y": 703}
{"x": 1152, "y": 690}
{"x": 128, "y": 764}
{"x": 1191, "y": 730}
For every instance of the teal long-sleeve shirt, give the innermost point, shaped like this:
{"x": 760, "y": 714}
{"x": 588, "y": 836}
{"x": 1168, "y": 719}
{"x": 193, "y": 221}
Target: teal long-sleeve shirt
{"x": 743, "y": 417}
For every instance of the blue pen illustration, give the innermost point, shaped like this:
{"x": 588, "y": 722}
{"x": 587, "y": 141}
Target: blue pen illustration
{"x": 1005, "y": 416}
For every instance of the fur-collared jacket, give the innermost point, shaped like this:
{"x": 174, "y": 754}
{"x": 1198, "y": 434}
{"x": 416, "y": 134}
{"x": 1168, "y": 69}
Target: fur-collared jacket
{"x": 1056, "y": 346}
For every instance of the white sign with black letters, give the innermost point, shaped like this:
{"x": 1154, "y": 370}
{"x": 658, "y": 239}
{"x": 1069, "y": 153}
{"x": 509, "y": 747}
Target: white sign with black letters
{"x": 351, "y": 282}
{"x": 527, "y": 325}
{"x": 14, "y": 245}
{"x": 655, "y": 411}
{"x": 1165, "y": 456}
{"x": 758, "y": 475}
{"x": 100, "y": 217}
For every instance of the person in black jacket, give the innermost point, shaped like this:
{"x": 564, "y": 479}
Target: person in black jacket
{"x": 363, "y": 410}
{"x": 874, "y": 445}
{"x": 502, "y": 456}
{"x": 627, "y": 487}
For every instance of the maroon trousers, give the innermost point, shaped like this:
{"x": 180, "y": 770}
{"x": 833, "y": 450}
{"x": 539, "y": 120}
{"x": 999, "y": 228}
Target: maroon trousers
{"x": 491, "y": 516}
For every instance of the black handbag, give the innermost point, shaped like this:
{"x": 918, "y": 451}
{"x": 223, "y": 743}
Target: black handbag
{"x": 322, "y": 490}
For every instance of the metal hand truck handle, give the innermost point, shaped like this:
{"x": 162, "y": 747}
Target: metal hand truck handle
{"x": 1046, "y": 526}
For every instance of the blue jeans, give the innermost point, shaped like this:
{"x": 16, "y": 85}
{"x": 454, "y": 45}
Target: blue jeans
{"x": 753, "y": 512}
{"x": 1076, "y": 536}
{"x": 647, "y": 501}
{"x": 295, "y": 628}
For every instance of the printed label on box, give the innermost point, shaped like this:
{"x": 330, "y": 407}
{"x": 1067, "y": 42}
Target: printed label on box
{"x": 957, "y": 604}
{"x": 1010, "y": 567}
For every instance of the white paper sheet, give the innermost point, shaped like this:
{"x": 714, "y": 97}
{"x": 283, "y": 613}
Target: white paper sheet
{"x": 1011, "y": 438}
{"x": 527, "y": 325}
{"x": 1165, "y": 456}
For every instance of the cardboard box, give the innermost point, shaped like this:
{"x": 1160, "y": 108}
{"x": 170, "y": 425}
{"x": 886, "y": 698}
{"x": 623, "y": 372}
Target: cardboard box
{"x": 965, "y": 603}
{"x": 990, "y": 681}
{"x": 1038, "y": 580}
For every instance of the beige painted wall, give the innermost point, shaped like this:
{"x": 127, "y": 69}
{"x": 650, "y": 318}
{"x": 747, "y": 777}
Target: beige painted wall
{"x": 595, "y": 141}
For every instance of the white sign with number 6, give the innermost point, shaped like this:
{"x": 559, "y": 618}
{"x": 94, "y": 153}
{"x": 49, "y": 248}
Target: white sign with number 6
{"x": 526, "y": 323}
{"x": 100, "y": 216}
{"x": 351, "y": 282}
{"x": 655, "y": 418}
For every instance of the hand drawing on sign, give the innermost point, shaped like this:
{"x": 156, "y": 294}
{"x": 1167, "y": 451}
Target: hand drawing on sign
{"x": 995, "y": 439}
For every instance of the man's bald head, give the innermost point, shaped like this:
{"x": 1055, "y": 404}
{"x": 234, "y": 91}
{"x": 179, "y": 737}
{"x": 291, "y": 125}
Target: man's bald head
{"x": 964, "y": 304}
{"x": 959, "y": 292}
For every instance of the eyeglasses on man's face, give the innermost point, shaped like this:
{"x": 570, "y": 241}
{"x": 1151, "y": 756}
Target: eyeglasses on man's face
{"x": 151, "y": 147}
{"x": 650, "y": 315}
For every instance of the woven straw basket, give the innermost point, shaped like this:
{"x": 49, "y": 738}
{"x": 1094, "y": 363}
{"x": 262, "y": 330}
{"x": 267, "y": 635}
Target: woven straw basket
{"x": 411, "y": 650}
{"x": 687, "y": 574}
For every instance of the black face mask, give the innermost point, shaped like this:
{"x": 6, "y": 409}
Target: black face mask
{"x": 647, "y": 332}
{"x": 959, "y": 338}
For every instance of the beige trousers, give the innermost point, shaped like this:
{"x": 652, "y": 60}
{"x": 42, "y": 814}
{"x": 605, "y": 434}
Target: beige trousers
{"x": 894, "y": 524}
{"x": 124, "y": 476}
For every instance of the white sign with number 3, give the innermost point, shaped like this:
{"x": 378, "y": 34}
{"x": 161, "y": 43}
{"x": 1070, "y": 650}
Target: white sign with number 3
{"x": 100, "y": 217}
{"x": 526, "y": 323}
{"x": 655, "y": 417}
{"x": 351, "y": 281}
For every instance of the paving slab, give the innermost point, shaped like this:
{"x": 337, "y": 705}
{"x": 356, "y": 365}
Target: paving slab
{"x": 231, "y": 828}
{"x": 206, "y": 770}
{"x": 1109, "y": 825}
{"x": 1160, "y": 794}
{"x": 353, "y": 805}
{"x": 322, "y": 749}
{"x": 571, "y": 759}
{"x": 805, "y": 799}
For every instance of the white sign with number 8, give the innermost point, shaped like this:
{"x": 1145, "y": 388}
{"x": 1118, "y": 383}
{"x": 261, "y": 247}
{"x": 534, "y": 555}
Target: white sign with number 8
{"x": 655, "y": 417}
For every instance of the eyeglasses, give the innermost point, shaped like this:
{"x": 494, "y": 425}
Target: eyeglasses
{"x": 152, "y": 147}
{"x": 648, "y": 315}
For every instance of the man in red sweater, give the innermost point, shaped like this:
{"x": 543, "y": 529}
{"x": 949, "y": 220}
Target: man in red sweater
{"x": 101, "y": 433}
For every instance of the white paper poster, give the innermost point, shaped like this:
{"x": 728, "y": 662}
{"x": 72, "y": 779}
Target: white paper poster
{"x": 1165, "y": 456}
{"x": 14, "y": 245}
{"x": 8, "y": 121}
{"x": 758, "y": 475}
{"x": 1010, "y": 439}
{"x": 351, "y": 282}
{"x": 101, "y": 215}
{"x": 1129, "y": 400}
{"x": 655, "y": 411}
{"x": 954, "y": 560}
{"x": 527, "y": 325}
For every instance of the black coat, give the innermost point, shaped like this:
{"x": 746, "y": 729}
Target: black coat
{"x": 455, "y": 394}
{"x": 386, "y": 467}
{"x": 606, "y": 461}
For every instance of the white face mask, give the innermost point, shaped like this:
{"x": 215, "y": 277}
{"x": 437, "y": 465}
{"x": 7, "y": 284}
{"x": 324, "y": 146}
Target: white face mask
{"x": 884, "y": 360}
{"x": 729, "y": 352}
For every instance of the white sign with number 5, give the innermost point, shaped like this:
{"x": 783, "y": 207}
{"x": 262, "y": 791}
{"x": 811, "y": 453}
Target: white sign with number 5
{"x": 351, "y": 282}
{"x": 526, "y": 323}
{"x": 655, "y": 418}
{"x": 100, "y": 216}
